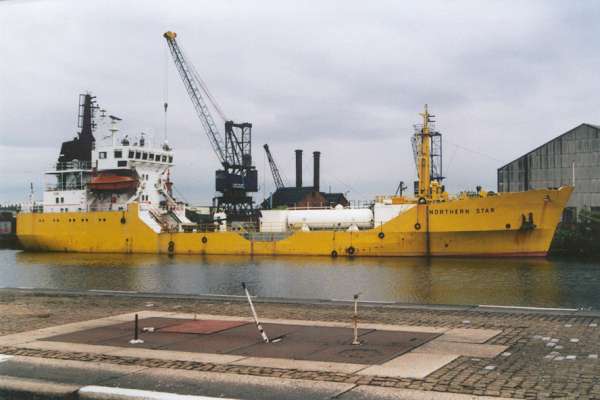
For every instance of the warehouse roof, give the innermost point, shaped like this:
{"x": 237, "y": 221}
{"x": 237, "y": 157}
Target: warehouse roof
{"x": 551, "y": 140}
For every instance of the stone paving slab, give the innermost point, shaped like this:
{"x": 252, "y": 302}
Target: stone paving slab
{"x": 470, "y": 335}
{"x": 466, "y": 349}
{"x": 411, "y": 365}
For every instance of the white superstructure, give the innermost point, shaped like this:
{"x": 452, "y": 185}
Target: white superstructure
{"x": 121, "y": 170}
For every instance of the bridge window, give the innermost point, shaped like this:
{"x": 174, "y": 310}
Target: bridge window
{"x": 151, "y": 156}
{"x": 144, "y": 156}
{"x": 118, "y": 153}
{"x": 130, "y": 154}
{"x": 138, "y": 154}
{"x": 170, "y": 159}
{"x": 164, "y": 158}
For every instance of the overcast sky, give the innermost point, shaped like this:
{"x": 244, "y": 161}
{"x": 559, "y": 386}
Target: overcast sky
{"x": 347, "y": 78}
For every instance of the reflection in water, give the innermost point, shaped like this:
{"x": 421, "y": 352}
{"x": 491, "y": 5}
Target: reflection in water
{"x": 507, "y": 281}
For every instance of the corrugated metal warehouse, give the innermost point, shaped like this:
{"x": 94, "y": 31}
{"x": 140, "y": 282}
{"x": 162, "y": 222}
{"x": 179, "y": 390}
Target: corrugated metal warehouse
{"x": 572, "y": 156}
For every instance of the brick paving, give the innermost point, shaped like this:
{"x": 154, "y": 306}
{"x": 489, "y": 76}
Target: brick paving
{"x": 549, "y": 356}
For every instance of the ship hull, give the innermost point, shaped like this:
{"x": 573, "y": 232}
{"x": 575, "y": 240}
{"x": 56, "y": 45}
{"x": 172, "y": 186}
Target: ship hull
{"x": 511, "y": 224}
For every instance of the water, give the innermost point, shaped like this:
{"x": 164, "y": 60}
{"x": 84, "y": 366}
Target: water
{"x": 521, "y": 282}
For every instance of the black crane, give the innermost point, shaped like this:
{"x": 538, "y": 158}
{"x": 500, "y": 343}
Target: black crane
{"x": 234, "y": 150}
{"x": 274, "y": 170}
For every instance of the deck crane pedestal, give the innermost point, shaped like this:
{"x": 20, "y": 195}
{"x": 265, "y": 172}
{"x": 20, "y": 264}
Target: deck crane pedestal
{"x": 238, "y": 177}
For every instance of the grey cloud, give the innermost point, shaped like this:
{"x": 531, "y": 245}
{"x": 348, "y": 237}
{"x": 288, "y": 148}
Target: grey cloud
{"x": 341, "y": 76}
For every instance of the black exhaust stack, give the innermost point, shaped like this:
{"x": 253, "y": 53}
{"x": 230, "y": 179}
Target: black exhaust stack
{"x": 298, "y": 168}
{"x": 316, "y": 171}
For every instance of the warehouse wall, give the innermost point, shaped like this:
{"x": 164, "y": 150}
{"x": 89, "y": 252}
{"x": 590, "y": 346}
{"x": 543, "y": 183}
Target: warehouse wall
{"x": 552, "y": 165}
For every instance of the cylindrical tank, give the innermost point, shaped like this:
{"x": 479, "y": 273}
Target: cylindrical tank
{"x": 335, "y": 218}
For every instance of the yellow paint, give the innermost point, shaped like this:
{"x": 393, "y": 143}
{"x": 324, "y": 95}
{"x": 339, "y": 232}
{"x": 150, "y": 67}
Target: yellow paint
{"x": 486, "y": 225}
{"x": 424, "y": 154}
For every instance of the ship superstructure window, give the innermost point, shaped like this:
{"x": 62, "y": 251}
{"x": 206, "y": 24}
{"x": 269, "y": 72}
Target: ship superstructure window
{"x": 138, "y": 154}
{"x": 151, "y": 156}
{"x": 144, "y": 156}
{"x": 118, "y": 153}
{"x": 102, "y": 155}
{"x": 164, "y": 158}
{"x": 170, "y": 159}
{"x": 130, "y": 154}
{"x": 121, "y": 163}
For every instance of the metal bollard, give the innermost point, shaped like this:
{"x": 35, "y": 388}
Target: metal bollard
{"x": 355, "y": 320}
{"x": 136, "y": 339}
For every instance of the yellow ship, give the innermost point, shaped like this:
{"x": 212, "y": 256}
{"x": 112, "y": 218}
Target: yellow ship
{"x": 117, "y": 198}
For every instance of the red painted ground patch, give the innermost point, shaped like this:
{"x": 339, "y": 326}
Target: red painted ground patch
{"x": 203, "y": 326}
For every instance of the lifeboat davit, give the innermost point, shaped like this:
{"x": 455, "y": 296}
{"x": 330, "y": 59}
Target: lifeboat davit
{"x": 112, "y": 182}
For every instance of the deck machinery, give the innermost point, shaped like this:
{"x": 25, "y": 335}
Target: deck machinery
{"x": 238, "y": 177}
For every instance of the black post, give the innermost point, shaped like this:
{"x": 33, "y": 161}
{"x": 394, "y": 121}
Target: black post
{"x": 135, "y": 334}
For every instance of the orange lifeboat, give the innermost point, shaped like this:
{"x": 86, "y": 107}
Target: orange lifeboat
{"x": 112, "y": 182}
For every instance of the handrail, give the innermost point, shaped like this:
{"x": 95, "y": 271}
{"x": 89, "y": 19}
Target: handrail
{"x": 75, "y": 164}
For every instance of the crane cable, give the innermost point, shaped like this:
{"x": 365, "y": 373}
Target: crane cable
{"x": 204, "y": 87}
{"x": 166, "y": 91}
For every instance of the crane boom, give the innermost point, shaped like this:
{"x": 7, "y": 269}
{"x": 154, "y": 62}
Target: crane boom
{"x": 194, "y": 86}
{"x": 274, "y": 170}
{"x": 238, "y": 176}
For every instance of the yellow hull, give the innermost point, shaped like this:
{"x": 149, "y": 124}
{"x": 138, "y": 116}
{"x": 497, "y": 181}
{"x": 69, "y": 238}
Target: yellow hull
{"x": 478, "y": 226}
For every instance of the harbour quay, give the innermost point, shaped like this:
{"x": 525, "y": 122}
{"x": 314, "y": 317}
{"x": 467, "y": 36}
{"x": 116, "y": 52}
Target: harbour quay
{"x": 196, "y": 344}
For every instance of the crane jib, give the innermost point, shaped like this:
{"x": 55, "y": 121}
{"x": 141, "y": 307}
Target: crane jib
{"x": 233, "y": 148}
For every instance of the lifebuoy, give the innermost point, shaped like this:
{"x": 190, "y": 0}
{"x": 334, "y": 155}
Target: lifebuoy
{"x": 350, "y": 250}
{"x": 422, "y": 200}
{"x": 381, "y": 235}
{"x": 204, "y": 239}
{"x": 417, "y": 226}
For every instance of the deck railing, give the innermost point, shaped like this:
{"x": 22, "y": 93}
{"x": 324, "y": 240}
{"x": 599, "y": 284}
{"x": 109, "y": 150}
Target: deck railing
{"x": 75, "y": 164}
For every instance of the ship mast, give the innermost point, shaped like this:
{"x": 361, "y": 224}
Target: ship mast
{"x": 424, "y": 156}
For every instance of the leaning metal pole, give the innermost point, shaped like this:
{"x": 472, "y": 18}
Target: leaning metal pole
{"x": 258, "y": 325}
